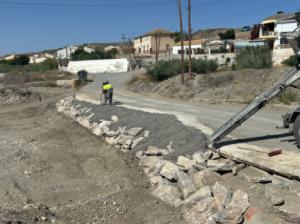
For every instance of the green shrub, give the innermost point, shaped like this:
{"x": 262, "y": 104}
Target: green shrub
{"x": 81, "y": 55}
{"x": 254, "y": 57}
{"x": 48, "y": 65}
{"x": 291, "y": 61}
{"x": 288, "y": 97}
{"x": 165, "y": 69}
{"x": 228, "y": 35}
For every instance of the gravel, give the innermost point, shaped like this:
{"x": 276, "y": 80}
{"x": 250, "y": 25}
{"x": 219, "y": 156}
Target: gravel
{"x": 164, "y": 129}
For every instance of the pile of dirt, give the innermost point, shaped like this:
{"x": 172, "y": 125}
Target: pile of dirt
{"x": 230, "y": 86}
{"x": 165, "y": 130}
{"x": 11, "y": 95}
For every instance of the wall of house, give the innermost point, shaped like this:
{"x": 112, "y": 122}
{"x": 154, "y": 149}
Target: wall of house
{"x": 145, "y": 45}
{"x": 163, "y": 43}
{"x": 177, "y": 49}
{"x": 66, "y": 52}
{"x": 222, "y": 59}
{"x": 99, "y": 66}
{"x": 279, "y": 55}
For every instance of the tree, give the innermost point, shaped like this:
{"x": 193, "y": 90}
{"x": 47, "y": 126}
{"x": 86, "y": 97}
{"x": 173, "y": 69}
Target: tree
{"x": 228, "y": 35}
{"x": 177, "y": 36}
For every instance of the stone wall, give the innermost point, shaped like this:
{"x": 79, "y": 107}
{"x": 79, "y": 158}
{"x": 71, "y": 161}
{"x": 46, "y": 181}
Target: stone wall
{"x": 99, "y": 66}
{"x": 279, "y": 55}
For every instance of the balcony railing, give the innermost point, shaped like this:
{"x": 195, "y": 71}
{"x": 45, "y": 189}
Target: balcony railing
{"x": 269, "y": 34}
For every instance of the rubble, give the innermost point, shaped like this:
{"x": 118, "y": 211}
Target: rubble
{"x": 239, "y": 200}
{"x": 222, "y": 195}
{"x": 185, "y": 184}
{"x": 255, "y": 175}
{"x": 169, "y": 171}
{"x": 168, "y": 192}
{"x": 204, "y": 178}
{"x": 199, "y": 195}
{"x": 275, "y": 194}
{"x": 155, "y": 151}
{"x": 185, "y": 163}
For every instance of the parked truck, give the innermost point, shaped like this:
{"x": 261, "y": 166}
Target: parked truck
{"x": 290, "y": 120}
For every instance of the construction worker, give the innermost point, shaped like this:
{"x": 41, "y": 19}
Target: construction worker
{"x": 104, "y": 93}
{"x": 109, "y": 88}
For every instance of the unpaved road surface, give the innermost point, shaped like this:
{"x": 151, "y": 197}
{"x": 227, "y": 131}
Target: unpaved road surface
{"x": 55, "y": 171}
{"x": 259, "y": 129}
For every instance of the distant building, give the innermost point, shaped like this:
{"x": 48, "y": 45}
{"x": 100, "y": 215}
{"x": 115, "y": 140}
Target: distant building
{"x": 10, "y": 57}
{"x": 274, "y": 27}
{"x": 39, "y": 58}
{"x": 272, "y": 31}
{"x": 66, "y": 52}
{"x": 196, "y": 45}
{"x": 109, "y": 48}
{"x": 157, "y": 40}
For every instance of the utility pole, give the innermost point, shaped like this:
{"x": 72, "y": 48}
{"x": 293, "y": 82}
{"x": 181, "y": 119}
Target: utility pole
{"x": 181, "y": 42}
{"x": 190, "y": 39}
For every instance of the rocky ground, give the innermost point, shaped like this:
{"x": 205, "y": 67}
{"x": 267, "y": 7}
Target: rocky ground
{"x": 230, "y": 86}
{"x": 55, "y": 171}
{"x": 205, "y": 187}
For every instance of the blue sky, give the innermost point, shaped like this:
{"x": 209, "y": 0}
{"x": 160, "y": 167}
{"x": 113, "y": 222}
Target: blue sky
{"x": 32, "y": 25}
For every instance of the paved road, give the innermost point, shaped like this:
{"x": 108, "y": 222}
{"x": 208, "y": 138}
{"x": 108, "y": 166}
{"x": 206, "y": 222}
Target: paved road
{"x": 259, "y": 129}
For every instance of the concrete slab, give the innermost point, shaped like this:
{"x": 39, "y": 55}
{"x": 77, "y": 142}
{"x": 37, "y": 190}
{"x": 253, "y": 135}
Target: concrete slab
{"x": 286, "y": 164}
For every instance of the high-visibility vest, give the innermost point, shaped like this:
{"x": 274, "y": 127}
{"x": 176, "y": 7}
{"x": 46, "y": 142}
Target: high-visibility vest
{"x": 107, "y": 87}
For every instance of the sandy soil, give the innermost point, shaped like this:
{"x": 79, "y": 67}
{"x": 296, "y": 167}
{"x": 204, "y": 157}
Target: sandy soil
{"x": 54, "y": 171}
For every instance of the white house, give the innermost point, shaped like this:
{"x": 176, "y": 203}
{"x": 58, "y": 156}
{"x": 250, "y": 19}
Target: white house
{"x": 197, "y": 47}
{"x": 39, "y": 58}
{"x": 66, "y": 52}
{"x": 273, "y": 28}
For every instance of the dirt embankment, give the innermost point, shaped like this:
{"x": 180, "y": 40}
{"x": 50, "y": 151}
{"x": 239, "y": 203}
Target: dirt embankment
{"x": 231, "y": 86}
{"x": 54, "y": 171}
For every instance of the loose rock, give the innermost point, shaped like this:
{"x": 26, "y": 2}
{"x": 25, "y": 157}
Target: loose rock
{"x": 255, "y": 175}
{"x": 239, "y": 200}
{"x": 185, "y": 184}
{"x": 205, "y": 177}
{"x": 185, "y": 163}
{"x": 154, "y": 151}
{"x": 200, "y": 212}
{"x": 222, "y": 195}
{"x": 229, "y": 216}
{"x": 220, "y": 165}
{"x": 169, "y": 171}
{"x": 199, "y": 195}
{"x": 168, "y": 193}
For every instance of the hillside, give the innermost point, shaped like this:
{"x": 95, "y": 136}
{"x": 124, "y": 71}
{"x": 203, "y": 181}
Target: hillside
{"x": 213, "y": 33}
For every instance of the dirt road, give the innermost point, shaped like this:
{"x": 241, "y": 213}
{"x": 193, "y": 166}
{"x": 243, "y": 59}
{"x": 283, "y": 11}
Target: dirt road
{"x": 53, "y": 170}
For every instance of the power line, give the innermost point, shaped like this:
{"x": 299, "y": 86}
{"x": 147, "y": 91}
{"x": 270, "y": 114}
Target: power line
{"x": 85, "y": 5}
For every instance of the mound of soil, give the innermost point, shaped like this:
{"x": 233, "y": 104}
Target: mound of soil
{"x": 11, "y": 95}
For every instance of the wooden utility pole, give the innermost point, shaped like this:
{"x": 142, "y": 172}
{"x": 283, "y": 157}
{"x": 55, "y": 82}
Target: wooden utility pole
{"x": 181, "y": 42}
{"x": 190, "y": 40}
